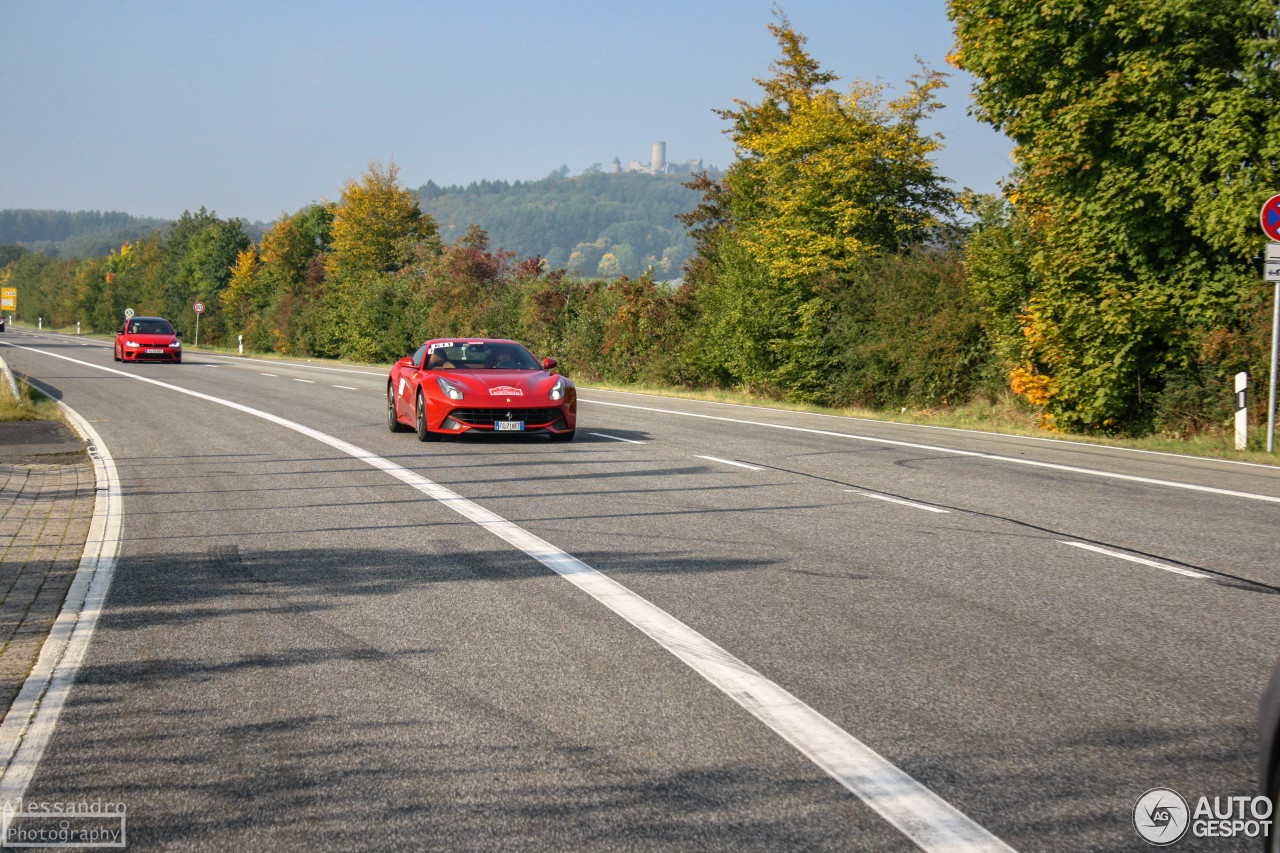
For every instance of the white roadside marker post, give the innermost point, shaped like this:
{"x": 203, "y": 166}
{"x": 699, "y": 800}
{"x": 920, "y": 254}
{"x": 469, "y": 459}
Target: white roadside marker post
{"x": 1242, "y": 410}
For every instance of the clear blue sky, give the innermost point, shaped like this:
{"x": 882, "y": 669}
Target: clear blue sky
{"x": 256, "y": 108}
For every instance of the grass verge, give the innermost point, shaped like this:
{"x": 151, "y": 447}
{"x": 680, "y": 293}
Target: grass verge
{"x": 33, "y": 407}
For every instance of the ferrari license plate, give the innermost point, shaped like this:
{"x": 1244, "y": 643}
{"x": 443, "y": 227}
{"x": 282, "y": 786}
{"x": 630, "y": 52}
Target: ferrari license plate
{"x": 155, "y": 352}
{"x": 508, "y": 426}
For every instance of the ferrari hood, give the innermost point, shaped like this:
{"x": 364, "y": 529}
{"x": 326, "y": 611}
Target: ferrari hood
{"x": 502, "y": 385}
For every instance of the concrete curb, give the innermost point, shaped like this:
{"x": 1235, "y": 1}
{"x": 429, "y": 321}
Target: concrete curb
{"x": 28, "y": 726}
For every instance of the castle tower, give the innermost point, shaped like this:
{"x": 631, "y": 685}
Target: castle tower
{"x": 659, "y": 163}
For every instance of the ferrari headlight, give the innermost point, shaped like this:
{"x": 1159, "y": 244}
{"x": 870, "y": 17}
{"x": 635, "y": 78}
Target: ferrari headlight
{"x": 132, "y": 344}
{"x": 557, "y": 390}
{"x": 453, "y": 392}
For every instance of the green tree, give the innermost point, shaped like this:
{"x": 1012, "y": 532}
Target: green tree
{"x": 1147, "y": 138}
{"x": 204, "y": 271}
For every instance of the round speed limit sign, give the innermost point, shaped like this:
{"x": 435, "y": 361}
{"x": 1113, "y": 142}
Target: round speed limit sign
{"x": 199, "y": 307}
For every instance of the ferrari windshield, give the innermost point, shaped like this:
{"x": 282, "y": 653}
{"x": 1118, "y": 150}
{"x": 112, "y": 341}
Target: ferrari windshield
{"x": 150, "y": 327}
{"x": 479, "y": 355}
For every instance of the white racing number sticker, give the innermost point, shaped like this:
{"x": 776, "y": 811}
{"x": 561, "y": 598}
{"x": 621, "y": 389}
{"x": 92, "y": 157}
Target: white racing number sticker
{"x": 505, "y": 391}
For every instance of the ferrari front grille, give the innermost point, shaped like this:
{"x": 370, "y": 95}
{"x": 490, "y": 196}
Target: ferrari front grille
{"x": 486, "y": 417}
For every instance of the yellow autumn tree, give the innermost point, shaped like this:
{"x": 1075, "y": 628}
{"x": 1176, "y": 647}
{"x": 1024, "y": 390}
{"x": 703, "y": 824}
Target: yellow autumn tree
{"x": 377, "y": 224}
{"x": 240, "y": 298}
{"x": 825, "y": 178}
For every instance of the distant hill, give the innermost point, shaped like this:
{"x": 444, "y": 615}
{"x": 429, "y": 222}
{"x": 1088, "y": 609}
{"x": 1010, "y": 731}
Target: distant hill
{"x": 85, "y": 233}
{"x": 596, "y": 223}
{"x": 79, "y": 234}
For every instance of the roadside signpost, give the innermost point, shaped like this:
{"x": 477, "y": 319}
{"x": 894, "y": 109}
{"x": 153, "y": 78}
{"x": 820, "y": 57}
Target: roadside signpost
{"x": 199, "y": 309}
{"x": 1270, "y": 219}
{"x": 8, "y": 299}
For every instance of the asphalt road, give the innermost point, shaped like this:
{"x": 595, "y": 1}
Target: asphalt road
{"x": 302, "y": 651}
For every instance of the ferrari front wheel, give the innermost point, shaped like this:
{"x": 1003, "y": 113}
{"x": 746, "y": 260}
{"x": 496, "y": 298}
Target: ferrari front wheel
{"x": 393, "y": 422}
{"x": 424, "y": 434}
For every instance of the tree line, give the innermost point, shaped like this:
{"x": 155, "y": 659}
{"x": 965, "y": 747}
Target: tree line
{"x": 1112, "y": 287}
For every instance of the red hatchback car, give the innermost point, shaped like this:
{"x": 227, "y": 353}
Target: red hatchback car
{"x": 148, "y": 339}
{"x": 472, "y": 385}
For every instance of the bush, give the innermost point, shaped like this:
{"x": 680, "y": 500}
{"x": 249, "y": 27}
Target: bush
{"x": 906, "y": 331}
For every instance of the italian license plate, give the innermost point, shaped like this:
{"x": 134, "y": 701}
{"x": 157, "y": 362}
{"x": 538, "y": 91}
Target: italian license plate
{"x": 508, "y": 426}
{"x": 155, "y": 352}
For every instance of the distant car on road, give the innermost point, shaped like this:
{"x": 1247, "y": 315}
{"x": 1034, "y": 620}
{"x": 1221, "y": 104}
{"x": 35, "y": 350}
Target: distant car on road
{"x": 1, "y": 322}
{"x": 147, "y": 339}
{"x": 452, "y": 386}
{"x": 1269, "y": 761}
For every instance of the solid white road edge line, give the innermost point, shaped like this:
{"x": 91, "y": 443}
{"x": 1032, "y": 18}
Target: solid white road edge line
{"x": 935, "y": 427}
{"x": 615, "y": 438}
{"x": 951, "y": 450}
{"x": 729, "y": 462}
{"x": 929, "y": 821}
{"x": 1177, "y": 570}
{"x": 29, "y": 724}
{"x": 896, "y": 501}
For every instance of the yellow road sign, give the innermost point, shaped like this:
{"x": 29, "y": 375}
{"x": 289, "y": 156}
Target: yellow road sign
{"x": 9, "y": 299}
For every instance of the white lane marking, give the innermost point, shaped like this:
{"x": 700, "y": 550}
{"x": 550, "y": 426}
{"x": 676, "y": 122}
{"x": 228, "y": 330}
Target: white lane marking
{"x": 929, "y": 821}
{"x": 1064, "y": 441}
{"x": 729, "y": 462}
{"x": 896, "y": 501}
{"x": 615, "y": 437}
{"x": 308, "y": 381}
{"x": 1093, "y": 472}
{"x": 272, "y": 375}
{"x": 1177, "y": 570}
{"x": 346, "y": 387}
{"x": 29, "y": 724}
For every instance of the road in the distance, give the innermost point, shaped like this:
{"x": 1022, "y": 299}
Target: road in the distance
{"x": 302, "y": 652}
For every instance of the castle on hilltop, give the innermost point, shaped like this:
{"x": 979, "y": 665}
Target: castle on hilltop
{"x": 658, "y": 165}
